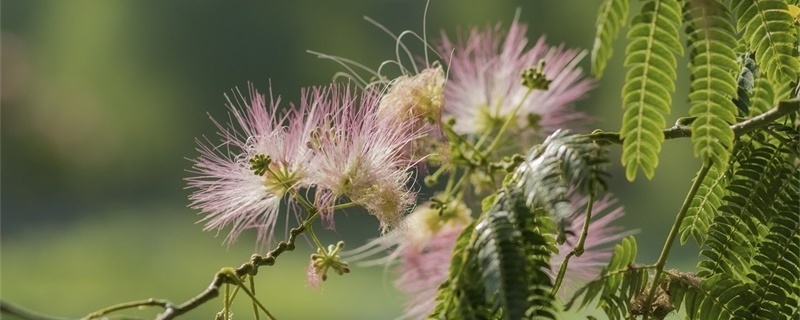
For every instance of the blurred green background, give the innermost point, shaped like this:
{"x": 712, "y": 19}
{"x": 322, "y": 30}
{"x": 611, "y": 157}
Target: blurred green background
{"x": 102, "y": 100}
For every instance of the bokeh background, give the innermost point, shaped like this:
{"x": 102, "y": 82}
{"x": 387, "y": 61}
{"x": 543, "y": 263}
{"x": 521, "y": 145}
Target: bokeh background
{"x": 102, "y": 101}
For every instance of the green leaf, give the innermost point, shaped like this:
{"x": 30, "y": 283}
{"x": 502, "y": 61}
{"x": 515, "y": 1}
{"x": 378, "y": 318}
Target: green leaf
{"x": 499, "y": 267}
{"x": 712, "y": 65}
{"x": 650, "y": 81}
{"x": 768, "y": 32}
{"x": 703, "y": 207}
{"x": 720, "y": 297}
{"x": 562, "y": 162}
{"x": 619, "y": 283}
{"x": 778, "y": 259}
{"x": 611, "y": 17}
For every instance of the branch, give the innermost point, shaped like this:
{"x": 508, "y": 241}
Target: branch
{"x": 684, "y": 131}
{"x": 7, "y": 308}
{"x": 662, "y": 259}
{"x": 248, "y": 268}
{"x": 578, "y": 250}
{"x": 223, "y": 276}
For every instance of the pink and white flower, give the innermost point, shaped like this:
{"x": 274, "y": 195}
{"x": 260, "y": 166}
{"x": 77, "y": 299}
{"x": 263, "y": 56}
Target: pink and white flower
{"x": 359, "y": 155}
{"x": 485, "y": 86}
{"x": 228, "y": 190}
{"x": 422, "y": 249}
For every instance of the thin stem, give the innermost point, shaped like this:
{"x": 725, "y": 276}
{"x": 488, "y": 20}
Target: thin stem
{"x": 256, "y": 314}
{"x": 248, "y": 268}
{"x": 315, "y": 239}
{"x": 673, "y": 233}
{"x": 561, "y": 272}
{"x": 578, "y": 249}
{"x": 9, "y": 309}
{"x": 458, "y": 137}
{"x": 343, "y": 206}
{"x": 226, "y": 301}
{"x": 511, "y": 117}
{"x": 128, "y": 305}
{"x": 679, "y": 131}
{"x": 231, "y": 273}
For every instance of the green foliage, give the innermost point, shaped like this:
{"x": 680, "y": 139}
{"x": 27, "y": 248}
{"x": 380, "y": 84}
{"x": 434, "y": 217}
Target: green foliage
{"x": 649, "y": 83}
{"x": 704, "y": 206}
{"x": 611, "y": 17}
{"x": 733, "y": 235}
{"x": 778, "y": 259}
{"x": 768, "y": 32}
{"x": 563, "y": 161}
{"x": 499, "y": 267}
{"x": 719, "y": 297}
{"x": 753, "y": 246}
{"x": 763, "y": 97}
{"x": 618, "y": 284}
{"x": 712, "y": 64}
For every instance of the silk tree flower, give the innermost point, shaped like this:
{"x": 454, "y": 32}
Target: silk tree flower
{"x": 227, "y": 189}
{"x": 359, "y": 155}
{"x": 417, "y": 97}
{"x": 417, "y": 101}
{"x": 423, "y": 247}
{"x": 485, "y": 82}
{"x": 598, "y": 246}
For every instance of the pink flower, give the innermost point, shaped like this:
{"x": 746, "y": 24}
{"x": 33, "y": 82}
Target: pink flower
{"x": 485, "y": 82}
{"x": 423, "y": 247}
{"x": 359, "y": 155}
{"x": 227, "y": 189}
{"x": 598, "y": 246}
{"x": 425, "y": 242}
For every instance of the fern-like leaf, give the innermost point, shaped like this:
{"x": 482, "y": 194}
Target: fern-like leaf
{"x": 768, "y": 32}
{"x": 778, "y": 258}
{"x": 562, "y": 162}
{"x": 763, "y": 97}
{"x": 499, "y": 269}
{"x": 704, "y": 206}
{"x": 734, "y": 235}
{"x": 650, "y": 81}
{"x": 712, "y": 64}
{"x": 612, "y": 16}
{"x": 618, "y": 284}
{"x": 501, "y": 262}
{"x": 720, "y": 297}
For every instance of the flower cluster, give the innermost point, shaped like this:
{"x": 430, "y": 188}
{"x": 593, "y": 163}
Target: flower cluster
{"x": 335, "y": 141}
{"x": 346, "y": 146}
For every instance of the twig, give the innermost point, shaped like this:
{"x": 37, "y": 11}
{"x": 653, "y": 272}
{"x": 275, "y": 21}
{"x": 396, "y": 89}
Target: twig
{"x": 578, "y": 250}
{"x": 248, "y": 268}
{"x": 7, "y": 308}
{"x": 739, "y": 129}
{"x": 212, "y": 291}
{"x": 673, "y": 233}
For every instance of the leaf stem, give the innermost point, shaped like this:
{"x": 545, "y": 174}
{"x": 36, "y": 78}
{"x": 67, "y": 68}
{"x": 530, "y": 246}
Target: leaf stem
{"x": 578, "y": 249}
{"x": 681, "y": 131}
{"x": 231, "y": 273}
{"x": 673, "y": 233}
{"x": 256, "y": 314}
